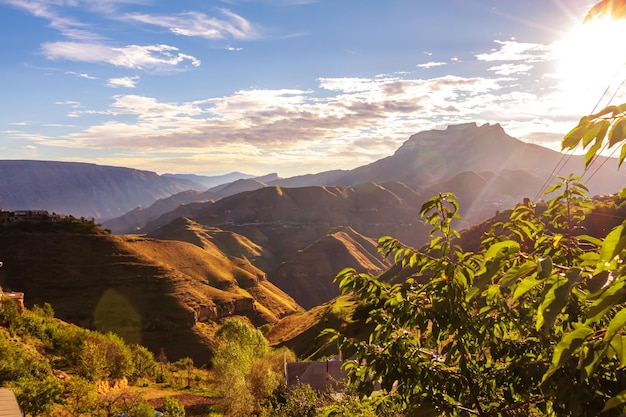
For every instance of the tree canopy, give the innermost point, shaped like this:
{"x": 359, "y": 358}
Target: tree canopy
{"x": 532, "y": 323}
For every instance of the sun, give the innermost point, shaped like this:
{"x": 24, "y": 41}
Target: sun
{"x": 592, "y": 59}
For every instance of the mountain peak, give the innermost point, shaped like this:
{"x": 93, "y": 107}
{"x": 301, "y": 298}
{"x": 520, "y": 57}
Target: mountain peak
{"x": 452, "y": 135}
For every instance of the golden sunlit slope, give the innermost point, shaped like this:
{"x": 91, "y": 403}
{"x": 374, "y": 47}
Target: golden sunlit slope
{"x": 286, "y": 220}
{"x": 160, "y": 293}
{"x": 300, "y": 332}
{"x": 308, "y": 276}
{"x": 216, "y": 241}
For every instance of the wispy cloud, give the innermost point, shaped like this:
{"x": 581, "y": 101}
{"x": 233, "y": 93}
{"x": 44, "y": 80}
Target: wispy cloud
{"x": 74, "y": 104}
{"x": 82, "y": 75}
{"x": 431, "y": 65}
{"x": 518, "y": 51}
{"x": 48, "y": 10}
{"x": 143, "y": 57}
{"x": 228, "y": 26}
{"x": 510, "y": 69}
{"x": 126, "y": 82}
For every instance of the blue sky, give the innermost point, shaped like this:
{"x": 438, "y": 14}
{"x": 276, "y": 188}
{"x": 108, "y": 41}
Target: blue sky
{"x": 286, "y": 86}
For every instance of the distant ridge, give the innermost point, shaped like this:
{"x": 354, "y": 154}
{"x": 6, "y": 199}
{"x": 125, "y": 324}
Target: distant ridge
{"x": 204, "y": 181}
{"x": 80, "y": 189}
{"x": 425, "y": 160}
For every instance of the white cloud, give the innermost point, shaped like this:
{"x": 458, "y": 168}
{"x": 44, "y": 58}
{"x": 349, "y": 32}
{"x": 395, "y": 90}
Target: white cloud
{"x": 82, "y": 75}
{"x": 355, "y": 110}
{"x": 74, "y": 104}
{"x": 200, "y": 25}
{"x": 147, "y": 57}
{"x": 518, "y": 51}
{"x": 510, "y": 69}
{"x": 431, "y": 64}
{"x": 44, "y": 9}
{"x": 126, "y": 82}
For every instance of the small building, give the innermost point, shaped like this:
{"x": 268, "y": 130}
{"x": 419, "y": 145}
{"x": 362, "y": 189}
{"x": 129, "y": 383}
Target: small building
{"x": 18, "y": 297}
{"x": 8, "y": 404}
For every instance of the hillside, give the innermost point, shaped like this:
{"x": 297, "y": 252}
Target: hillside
{"x": 308, "y": 276}
{"x": 79, "y": 189}
{"x": 164, "y": 294}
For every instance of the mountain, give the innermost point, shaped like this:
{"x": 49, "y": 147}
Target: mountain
{"x": 308, "y": 276}
{"x": 504, "y": 171}
{"x": 82, "y": 190}
{"x": 434, "y": 156}
{"x": 138, "y": 218}
{"x": 162, "y": 293}
{"x": 204, "y": 182}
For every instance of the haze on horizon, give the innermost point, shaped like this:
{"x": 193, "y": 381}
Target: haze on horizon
{"x": 290, "y": 86}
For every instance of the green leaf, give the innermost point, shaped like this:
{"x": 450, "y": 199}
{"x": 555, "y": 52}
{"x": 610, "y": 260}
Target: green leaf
{"x": 590, "y": 358}
{"x": 616, "y": 401}
{"x": 613, "y": 244}
{"x": 622, "y": 156}
{"x": 590, "y": 239}
{"x": 513, "y": 274}
{"x": 612, "y": 296}
{"x": 526, "y": 285}
{"x": 615, "y": 325}
{"x": 591, "y": 153}
{"x": 597, "y": 281}
{"x": 544, "y": 269}
{"x": 508, "y": 246}
{"x": 618, "y": 346}
{"x": 569, "y": 343}
{"x": 554, "y": 187}
{"x": 617, "y": 132}
{"x": 574, "y": 136}
{"x": 555, "y": 299}
{"x": 598, "y": 131}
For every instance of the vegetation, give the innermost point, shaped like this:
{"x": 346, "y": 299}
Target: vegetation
{"x": 246, "y": 369}
{"x": 532, "y": 323}
{"x": 63, "y": 370}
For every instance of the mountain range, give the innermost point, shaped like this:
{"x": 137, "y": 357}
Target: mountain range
{"x": 263, "y": 248}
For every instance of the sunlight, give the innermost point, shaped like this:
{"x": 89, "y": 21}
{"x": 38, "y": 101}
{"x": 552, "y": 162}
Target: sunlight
{"x": 591, "y": 58}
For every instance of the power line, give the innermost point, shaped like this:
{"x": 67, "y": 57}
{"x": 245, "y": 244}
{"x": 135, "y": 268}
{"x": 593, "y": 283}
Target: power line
{"x": 565, "y": 157}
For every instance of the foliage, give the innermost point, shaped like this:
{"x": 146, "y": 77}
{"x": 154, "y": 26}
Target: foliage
{"x": 172, "y": 408}
{"x": 33, "y": 343}
{"x": 35, "y": 396}
{"x": 530, "y": 324}
{"x": 247, "y": 370}
{"x": 606, "y": 128}
{"x": 81, "y": 397}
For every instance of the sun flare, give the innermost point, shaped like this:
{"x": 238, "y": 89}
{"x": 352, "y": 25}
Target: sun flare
{"x": 592, "y": 59}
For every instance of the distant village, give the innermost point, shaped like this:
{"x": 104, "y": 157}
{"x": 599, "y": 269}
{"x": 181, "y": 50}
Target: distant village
{"x": 8, "y": 217}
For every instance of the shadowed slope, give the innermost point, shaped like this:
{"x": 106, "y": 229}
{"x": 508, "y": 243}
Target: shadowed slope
{"x": 308, "y": 276}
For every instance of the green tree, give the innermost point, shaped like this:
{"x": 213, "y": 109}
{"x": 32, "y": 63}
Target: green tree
{"x": 245, "y": 369}
{"x": 143, "y": 363}
{"x": 529, "y": 324}
{"x": 37, "y": 397}
{"x": 81, "y": 397}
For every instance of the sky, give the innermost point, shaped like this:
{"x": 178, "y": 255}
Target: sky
{"x": 290, "y": 86}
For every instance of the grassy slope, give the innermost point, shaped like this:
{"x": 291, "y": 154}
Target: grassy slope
{"x": 150, "y": 291}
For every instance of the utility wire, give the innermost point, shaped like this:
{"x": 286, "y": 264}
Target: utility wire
{"x": 565, "y": 157}
{"x": 606, "y": 145}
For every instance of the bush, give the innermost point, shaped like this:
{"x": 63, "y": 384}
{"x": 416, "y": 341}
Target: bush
{"x": 172, "y": 408}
